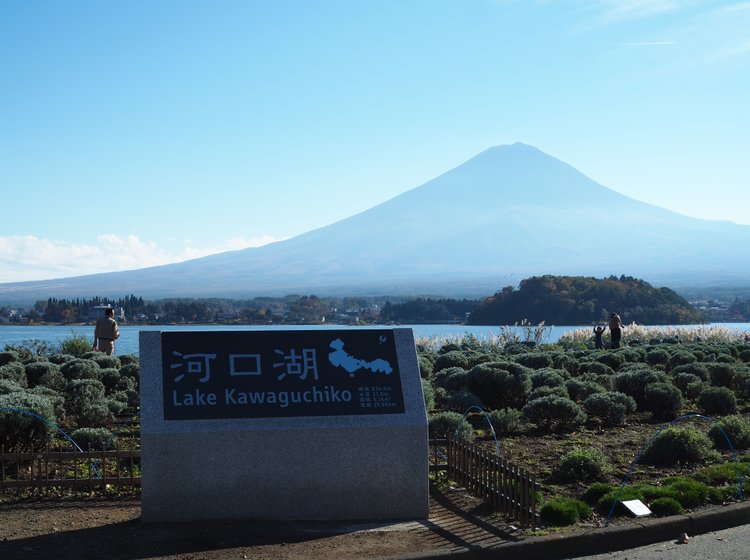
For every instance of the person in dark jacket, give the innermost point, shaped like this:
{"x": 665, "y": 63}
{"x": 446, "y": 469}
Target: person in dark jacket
{"x": 598, "y": 333}
{"x": 615, "y": 329}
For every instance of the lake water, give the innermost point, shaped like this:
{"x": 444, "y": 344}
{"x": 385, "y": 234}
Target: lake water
{"x": 128, "y": 342}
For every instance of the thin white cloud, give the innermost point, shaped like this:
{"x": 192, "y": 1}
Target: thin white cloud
{"x": 26, "y": 258}
{"x": 724, "y": 32}
{"x": 645, "y": 44}
{"x": 612, "y": 11}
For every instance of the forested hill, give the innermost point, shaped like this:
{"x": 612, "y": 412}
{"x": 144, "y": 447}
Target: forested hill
{"x": 578, "y": 300}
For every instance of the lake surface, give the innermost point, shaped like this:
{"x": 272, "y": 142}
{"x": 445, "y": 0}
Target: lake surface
{"x": 128, "y": 341}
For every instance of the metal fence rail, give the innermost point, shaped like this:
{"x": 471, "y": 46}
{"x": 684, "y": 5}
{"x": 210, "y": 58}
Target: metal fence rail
{"x": 61, "y": 467}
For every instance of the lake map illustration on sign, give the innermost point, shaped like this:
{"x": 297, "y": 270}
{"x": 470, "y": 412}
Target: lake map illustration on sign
{"x": 271, "y": 374}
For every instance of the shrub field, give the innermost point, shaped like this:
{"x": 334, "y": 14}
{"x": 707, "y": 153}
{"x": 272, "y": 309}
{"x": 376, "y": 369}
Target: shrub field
{"x": 673, "y": 408}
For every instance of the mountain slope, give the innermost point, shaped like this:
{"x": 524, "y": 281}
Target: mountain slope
{"x": 509, "y": 212}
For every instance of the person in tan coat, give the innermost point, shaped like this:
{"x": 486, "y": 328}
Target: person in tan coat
{"x": 106, "y": 332}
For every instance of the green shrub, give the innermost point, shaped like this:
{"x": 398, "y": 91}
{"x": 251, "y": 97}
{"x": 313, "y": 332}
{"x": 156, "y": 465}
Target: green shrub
{"x": 34, "y": 359}
{"x": 450, "y": 379}
{"x": 554, "y": 413}
{"x": 54, "y": 380}
{"x": 454, "y": 358}
{"x": 683, "y": 380}
{"x": 109, "y": 378}
{"x": 425, "y": 366}
{"x": 611, "y": 359}
{"x": 723, "y": 474}
{"x": 115, "y": 406}
{"x": 127, "y": 359}
{"x": 76, "y": 345}
{"x": 581, "y": 465}
{"x": 744, "y": 356}
{"x": 106, "y": 362}
{"x": 443, "y": 424}
{"x": 548, "y": 377}
{"x": 565, "y": 361}
{"x": 462, "y": 400}
{"x": 722, "y": 494}
{"x": 15, "y": 372}
{"x": 561, "y": 511}
{"x": 651, "y": 493}
{"x": 701, "y": 370}
{"x": 94, "y": 438}
{"x": 546, "y": 391}
{"x": 662, "y": 400}
{"x": 594, "y": 492}
{"x": 633, "y": 382}
{"x": 534, "y": 360}
{"x": 506, "y": 421}
{"x": 449, "y": 347}
{"x": 717, "y": 400}
{"x": 689, "y": 492}
{"x": 500, "y": 384}
{"x": 742, "y": 384}
{"x": 427, "y": 392}
{"x": 134, "y": 398}
{"x": 737, "y": 430}
{"x": 580, "y": 389}
{"x": 604, "y": 505}
{"x": 598, "y": 368}
{"x": 35, "y": 371}
{"x": 132, "y": 369}
{"x": 8, "y": 357}
{"x": 666, "y": 506}
{"x": 8, "y": 386}
{"x": 60, "y": 359}
{"x": 658, "y": 356}
{"x": 19, "y": 429}
{"x": 89, "y": 403}
{"x": 611, "y": 407}
{"x": 30, "y": 348}
{"x": 632, "y": 355}
{"x": 128, "y": 383}
{"x": 679, "y": 446}
{"x": 54, "y": 397}
{"x": 80, "y": 369}
{"x": 681, "y": 358}
{"x": 606, "y": 381}
{"x": 516, "y": 348}
{"x": 721, "y": 375}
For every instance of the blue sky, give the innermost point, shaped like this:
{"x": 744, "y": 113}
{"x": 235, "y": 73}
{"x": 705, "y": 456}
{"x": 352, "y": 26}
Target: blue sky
{"x": 140, "y": 133}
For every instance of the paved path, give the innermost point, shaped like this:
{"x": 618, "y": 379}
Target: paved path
{"x": 727, "y": 544}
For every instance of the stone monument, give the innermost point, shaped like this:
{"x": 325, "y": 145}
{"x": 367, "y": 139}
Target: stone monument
{"x": 316, "y": 424}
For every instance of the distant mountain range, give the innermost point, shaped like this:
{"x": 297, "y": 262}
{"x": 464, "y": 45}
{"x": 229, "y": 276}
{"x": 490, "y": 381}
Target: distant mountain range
{"x": 506, "y": 214}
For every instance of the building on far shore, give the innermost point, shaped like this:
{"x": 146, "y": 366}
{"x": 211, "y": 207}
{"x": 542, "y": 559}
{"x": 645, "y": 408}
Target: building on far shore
{"x": 96, "y": 312}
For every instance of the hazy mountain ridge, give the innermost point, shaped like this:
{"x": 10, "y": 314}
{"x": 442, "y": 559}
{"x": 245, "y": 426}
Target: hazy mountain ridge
{"x": 508, "y": 213}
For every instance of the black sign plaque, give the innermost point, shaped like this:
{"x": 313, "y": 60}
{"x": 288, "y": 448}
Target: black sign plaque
{"x": 272, "y": 374}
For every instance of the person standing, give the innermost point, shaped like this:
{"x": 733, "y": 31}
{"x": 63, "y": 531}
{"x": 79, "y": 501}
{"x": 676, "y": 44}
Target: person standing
{"x": 615, "y": 329}
{"x": 106, "y": 332}
{"x": 598, "y": 332}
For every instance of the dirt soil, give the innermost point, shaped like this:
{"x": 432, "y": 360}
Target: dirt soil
{"x": 98, "y": 528}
